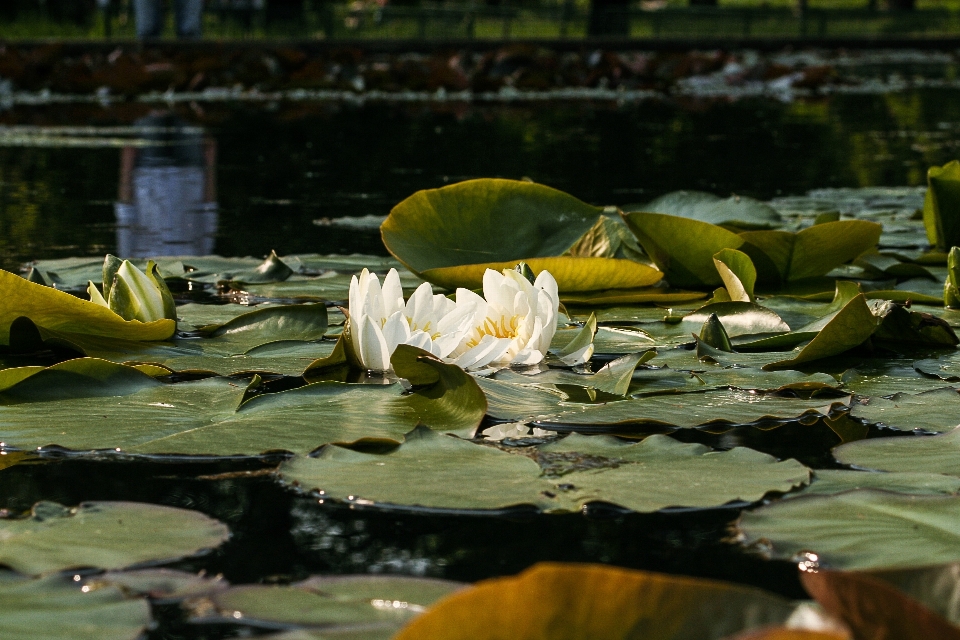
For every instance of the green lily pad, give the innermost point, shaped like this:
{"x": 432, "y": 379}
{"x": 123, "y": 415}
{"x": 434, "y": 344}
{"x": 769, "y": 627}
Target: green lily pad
{"x": 814, "y": 251}
{"x": 928, "y": 454}
{"x": 57, "y": 607}
{"x": 737, "y": 272}
{"x": 862, "y": 529}
{"x": 652, "y": 295}
{"x": 108, "y": 535}
{"x": 61, "y": 311}
{"x": 945, "y": 367}
{"x": 714, "y": 409}
{"x": 429, "y": 470}
{"x": 832, "y": 481}
{"x": 937, "y": 410}
{"x": 519, "y": 403}
{"x": 737, "y": 318}
{"x": 378, "y": 605}
{"x": 682, "y": 248}
{"x": 485, "y": 221}
{"x": 206, "y": 417}
{"x": 886, "y": 378}
{"x": 162, "y": 586}
{"x": 574, "y": 274}
{"x": 941, "y": 206}
{"x": 735, "y": 211}
{"x": 613, "y": 378}
{"x": 660, "y": 472}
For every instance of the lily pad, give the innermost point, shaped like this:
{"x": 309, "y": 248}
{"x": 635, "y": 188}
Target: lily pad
{"x": 57, "y": 607}
{"x": 429, "y": 470}
{"x": 937, "y": 410}
{"x": 831, "y": 481}
{"x": 929, "y": 454}
{"x": 862, "y": 529}
{"x": 574, "y": 274}
{"x": 814, "y": 251}
{"x": 735, "y": 211}
{"x": 485, "y": 221}
{"x": 738, "y": 318}
{"x": 715, "y": 409}
{"x": 660, "y": 472}
{"x": 60, "y": 311}
{"x": 379, "y": 605}
{"x": 941, "y": 206}
{"x": 108, "y": 535}
{"x": 547, "y": 601}
{"x": 682, "y": 248}
{"x": 206, "y": 417}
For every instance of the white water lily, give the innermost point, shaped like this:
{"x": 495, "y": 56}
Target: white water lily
{"x": 380, "y": 320}
{"x": 133, "y": 294}
{"x": 513, "y": 323}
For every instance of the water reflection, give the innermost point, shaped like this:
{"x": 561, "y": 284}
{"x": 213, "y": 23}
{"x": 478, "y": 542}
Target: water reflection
{"x": 167, "y": 200}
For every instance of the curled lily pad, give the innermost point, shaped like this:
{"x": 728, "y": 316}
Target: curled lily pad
{"x": 57, "y": 607}
{"x": 861, "y": 529}
{"x": 574, "y": 274}
{"x": 737, "y": 272}
{"x": 108, "y": 535}
{"x": 738, "y": 318}
{"x": 941, "y": 206}
{"x": 547, "y": 601}
{"x": 273, "y": 269}
{"x": 682, "y": 248}
{"x": 61, "y": 311}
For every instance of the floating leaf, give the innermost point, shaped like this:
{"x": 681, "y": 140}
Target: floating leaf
{"x": 848, "y": 328}
{"x": 862, "y": 529}
{"x": 57, "y": 607}
{"x": 682, "y": 248}
{"x": 935, "y": 410}
{"x": 107, "y": 535}
{"x": 273, "y": 269}
{"x": 831, "y": 481}
{"x": 902, "y": 326}
{"x": 547, "y": 601}
{"x": 613, "y": 378}
{"x": 580, "y": 348}
{"x": 429, "y": 470}
{"x": 738, "y": 318}
{"x": 653, "y": 295}
{"x": 735, "y": 211}
{"x": 932, "y": 454}
{"x": 202, "y": 417}
{"x": 812, "y": 252}
{"x": 660, "y": 472}
{"x": 61, "y": 311}
{"x": 162, "y": 586}
{"x": 573, "y": 274}
{"x": 484, "y": 221}
{"x": 737, "y": 272}
{"x": 378, "y": 605}
{"x": 941, "y": 206}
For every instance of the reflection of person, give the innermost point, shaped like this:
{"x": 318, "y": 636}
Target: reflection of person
{"x": 168, "y": 192}
{"x": 150, "y": 18}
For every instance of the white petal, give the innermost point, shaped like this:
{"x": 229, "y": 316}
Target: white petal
{"x": 548, "y": 284}
{"x": 527, "y": 356}
{"x": 392, "y": 293}
{"x": 490, "y": 349}
{"x": 422, "y": 340}
{"x": 370, "y": 345}
{"x": 395, "y": 331}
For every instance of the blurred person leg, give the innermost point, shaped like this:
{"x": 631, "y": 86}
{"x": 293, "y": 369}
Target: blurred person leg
{"x": 189, "y": 18}
{"x": 149, "y": 15}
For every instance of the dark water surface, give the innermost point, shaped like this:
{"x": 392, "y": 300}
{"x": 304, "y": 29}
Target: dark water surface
{"x": 279, "y": 168}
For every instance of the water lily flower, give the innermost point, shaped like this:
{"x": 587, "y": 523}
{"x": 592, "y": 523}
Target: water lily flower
{"x": 380, "y": 320}
{"x": 513, "y": 323}
{"x": 133, "y": 294}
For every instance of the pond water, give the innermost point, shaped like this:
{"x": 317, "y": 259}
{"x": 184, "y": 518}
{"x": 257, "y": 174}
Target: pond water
{"x": 283, "y": 176}
{"x": 279, "y": 169}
